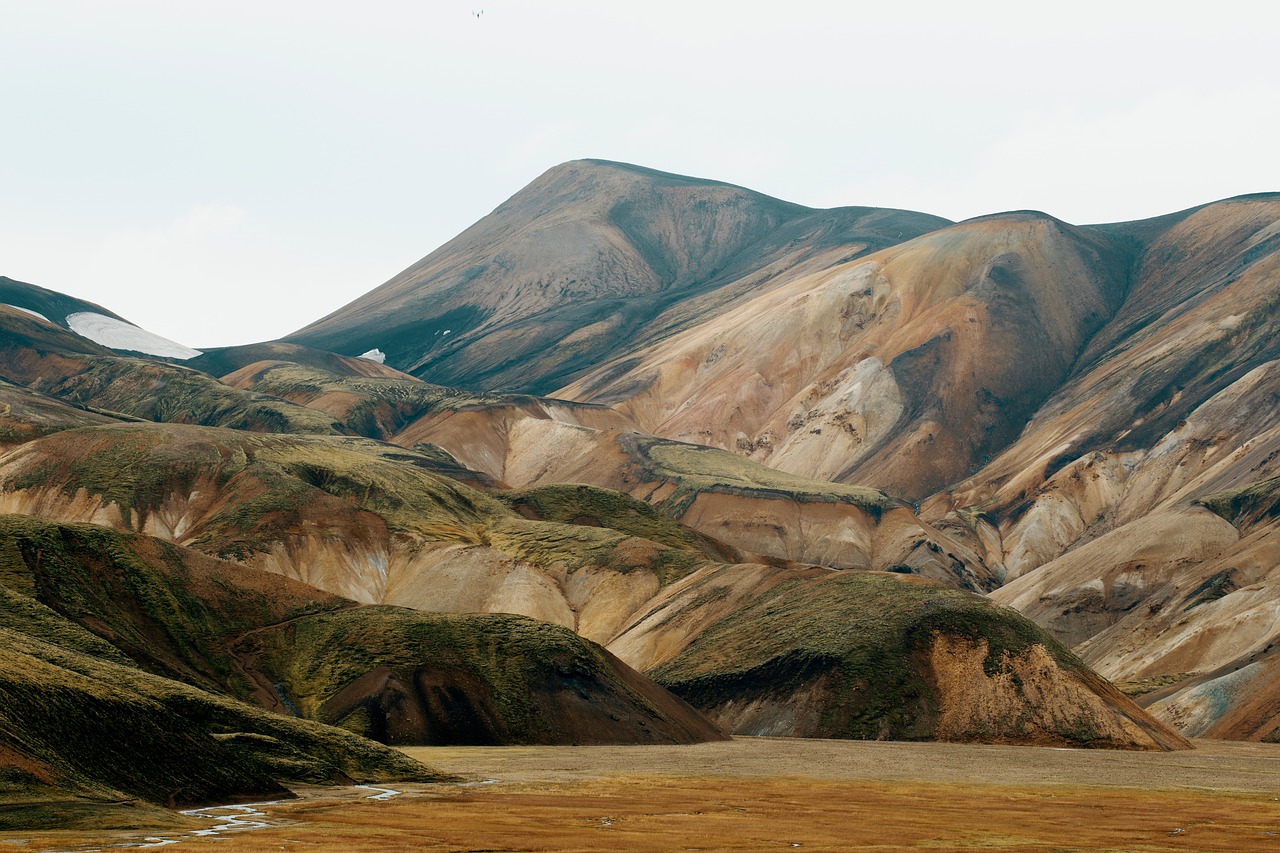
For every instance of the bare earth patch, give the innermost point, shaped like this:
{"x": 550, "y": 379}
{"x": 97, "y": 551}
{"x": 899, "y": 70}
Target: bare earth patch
{"x": 780, "y": 794}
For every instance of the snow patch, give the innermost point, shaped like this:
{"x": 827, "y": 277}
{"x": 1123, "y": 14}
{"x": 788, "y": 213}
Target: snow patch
{"x": 374, "y": 354}
{"x": 117, "y": 334}
{"x": 28, "y": 311}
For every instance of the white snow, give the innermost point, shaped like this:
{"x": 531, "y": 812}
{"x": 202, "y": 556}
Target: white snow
{"x": 117, "y": 334}
{"x": 374, "y": 354}
{"x": 27, "y": 311}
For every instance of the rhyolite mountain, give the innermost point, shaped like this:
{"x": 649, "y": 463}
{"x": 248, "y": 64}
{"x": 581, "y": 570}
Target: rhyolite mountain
{"x": 367, "y": 521}
{"x": 1065, "y": 405}
{"x": 591, "y": 258}
{"x": 382, "y": 524}
{"x": 779, "y": 460}
{"x": 88, "y": 320}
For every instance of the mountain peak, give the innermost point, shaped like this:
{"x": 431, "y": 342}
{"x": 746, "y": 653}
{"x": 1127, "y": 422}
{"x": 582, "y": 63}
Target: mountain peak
{"x": 590, "y": 256}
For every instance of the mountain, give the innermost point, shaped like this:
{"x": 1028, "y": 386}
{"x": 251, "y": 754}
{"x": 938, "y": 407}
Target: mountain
{"x": 88, "y": 320}
{"x": 521, "y": 440}
{"x": 634, "y": 437}
{"x": 1063, "y": 406}
{"x": 904, "y": 370}
{"x": 63, "y": 365}
{"x": 377, "y": 524}
{"x": 592, "y": 258}
{"x": 294, "y": 649}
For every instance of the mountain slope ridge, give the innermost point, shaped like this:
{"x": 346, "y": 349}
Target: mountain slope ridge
{"x": 587, "y": 256}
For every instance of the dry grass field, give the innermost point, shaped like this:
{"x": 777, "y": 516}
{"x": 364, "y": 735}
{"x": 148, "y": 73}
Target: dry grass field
{"x": 775, "y": 794}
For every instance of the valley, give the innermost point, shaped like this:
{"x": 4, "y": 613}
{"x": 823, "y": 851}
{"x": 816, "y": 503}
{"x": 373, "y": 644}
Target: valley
{"x": 769, "y": 794}
{"x": 648, "y": 459}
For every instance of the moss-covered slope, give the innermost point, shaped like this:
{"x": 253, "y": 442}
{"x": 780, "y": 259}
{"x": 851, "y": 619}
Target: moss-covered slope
{"x": 27, "y": 414}
{"x": 407, "y": 677}
{"x": 575, "y": 503}
{"x": 83, "y": 730}
{"x": 64, "y": 365}
{"x": 882, "y": 656}
{"x": 167, "y": 609}
{"x": 389, "y": 673}
{"x": 236, "y": 495}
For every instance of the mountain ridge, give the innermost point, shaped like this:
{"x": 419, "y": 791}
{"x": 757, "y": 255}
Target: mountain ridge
{"x": 658, "y": 239}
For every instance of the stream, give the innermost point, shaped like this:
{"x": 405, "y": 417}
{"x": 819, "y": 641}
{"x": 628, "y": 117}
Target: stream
{"x": 231, "y": 818}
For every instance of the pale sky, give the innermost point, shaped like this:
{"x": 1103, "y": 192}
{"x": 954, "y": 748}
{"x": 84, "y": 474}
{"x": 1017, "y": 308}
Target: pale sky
{"x": 226, "y": 172}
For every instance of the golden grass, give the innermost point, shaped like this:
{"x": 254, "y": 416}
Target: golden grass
{"x": 653, "y": 813}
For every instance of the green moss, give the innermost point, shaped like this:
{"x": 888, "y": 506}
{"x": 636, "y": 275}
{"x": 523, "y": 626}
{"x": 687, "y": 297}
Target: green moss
{"x": 694, "y": 469}
{"x": 168, "y": 393}
{"x": 502, "y": 660}
{"x": 147, "y": 608}
{"x": 572, "y": 503}
{"x": 26, "y": 415}
{"x": 134, "y": 467}
{"x": 1152, "y": 683}
{"x": 92, "y": 727}
{"x": 863, "y": 635}
{"x": 385, "y": 406}
{"x": 84, "y": 709}
{"x": 1246, "y": 505}
{"x": 973, "y": 517}
{"x": 1216, "y": 586}
{"x": 576, "y": 547}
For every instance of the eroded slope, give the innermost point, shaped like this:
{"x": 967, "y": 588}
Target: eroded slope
{"x": 592, "y": 258}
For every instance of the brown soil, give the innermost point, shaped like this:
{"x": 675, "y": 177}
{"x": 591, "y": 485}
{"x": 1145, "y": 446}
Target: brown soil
{"x": 789, "y": 794}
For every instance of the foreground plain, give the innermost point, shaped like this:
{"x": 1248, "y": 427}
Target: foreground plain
{"x": 765, "y": 794}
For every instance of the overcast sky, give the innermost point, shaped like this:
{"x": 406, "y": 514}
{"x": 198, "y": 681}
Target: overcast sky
{"x": 226, "y": 172}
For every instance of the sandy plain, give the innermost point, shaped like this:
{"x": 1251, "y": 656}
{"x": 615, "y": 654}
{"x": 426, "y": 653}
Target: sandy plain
{"x": 771, "y": 794}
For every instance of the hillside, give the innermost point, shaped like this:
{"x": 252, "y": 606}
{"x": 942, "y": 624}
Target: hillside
{"x": 240, "y": 632}
{"x": 1057, "y": 400}
{"x": 859, "y": 655}
{"x": 364, "y": 520}
{"x": 71, "y": 689}
{"x": 60, "y": 364}
{"x": 853, "y": 473}
{"x": 592, "y": 258}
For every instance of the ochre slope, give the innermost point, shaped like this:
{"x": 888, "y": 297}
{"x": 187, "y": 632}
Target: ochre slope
{"x": 905, "y": 369}
{"x": 868, "y": 655}
{"x": 1165, "y": 403}
{"x": 589, "y": 260}
{"x": 1176, "y": 400}
{"x": 352, "y": 514}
